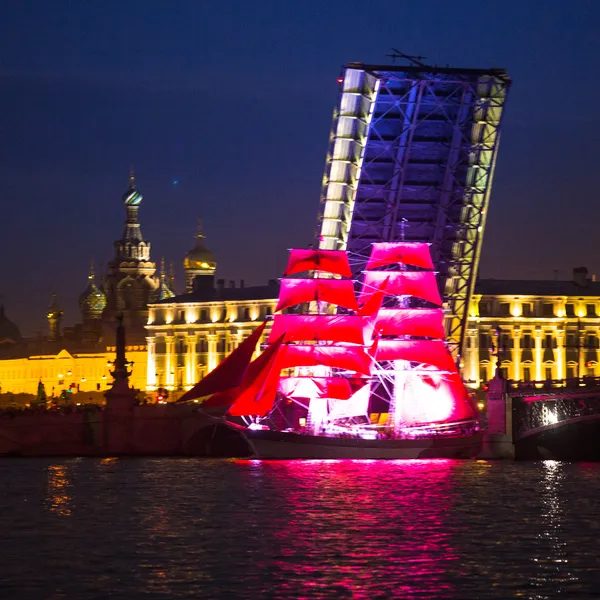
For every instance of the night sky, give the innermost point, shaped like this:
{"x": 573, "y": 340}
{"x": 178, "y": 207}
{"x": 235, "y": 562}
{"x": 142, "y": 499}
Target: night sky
{"x": 224, "y": 109}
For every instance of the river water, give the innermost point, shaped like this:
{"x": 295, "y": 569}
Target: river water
{"x": 186, "y": 528}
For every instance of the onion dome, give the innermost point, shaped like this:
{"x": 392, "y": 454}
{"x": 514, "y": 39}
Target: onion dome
{"x": 200, "y": 257}
{"x": 93, "y": 300}
{"x": 9, "y": 332}
{"x": 132, "y": 197}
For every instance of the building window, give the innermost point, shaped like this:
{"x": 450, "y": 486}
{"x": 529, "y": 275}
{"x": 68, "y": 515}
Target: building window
{"x": 269, "y": 310}
{"x": 246, "y": 314}
{"x": 527, "y": 309}
{"x": 570, "y": 309}
{"x": 548, "y": 373}
{"x": 484, "y": 341}
{"x": 590, "y": 310}
{"x": 548, "y": 341}
{"x": 483, "y": 374}
{"x": 204, "y": 314}
{"x": 181, "y": 315}
{"x": 484, "y": 309}
{"x": 526, "y": 374}
{"x": 526, "y": 341}
{"x": 570, "y": 372}
{"x": 504, "y": 309}
{"x": 548, "y": 309}
{"x": 221, "y": 345}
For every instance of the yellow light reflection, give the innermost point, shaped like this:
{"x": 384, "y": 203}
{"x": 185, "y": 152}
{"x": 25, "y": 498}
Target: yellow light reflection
{"x": 58, "y": 487}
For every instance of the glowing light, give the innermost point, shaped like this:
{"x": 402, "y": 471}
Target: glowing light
{"x": 480, "y": 405}
{"x": 549, "y": 417}
{"x": 60, "y": 375}
{"x": 516, "y": 309}
{"x": 302, "y": 421}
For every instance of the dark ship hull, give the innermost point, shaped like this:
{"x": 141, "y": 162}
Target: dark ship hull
{"x": 286, "y": 445}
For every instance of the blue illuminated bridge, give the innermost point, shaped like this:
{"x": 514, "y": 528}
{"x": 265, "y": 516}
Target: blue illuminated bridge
{"x": 411, "y": 156}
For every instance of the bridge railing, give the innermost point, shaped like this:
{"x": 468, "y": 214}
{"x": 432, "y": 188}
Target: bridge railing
{"x": 538, "y": 412}
{"x": 551, "y": 386}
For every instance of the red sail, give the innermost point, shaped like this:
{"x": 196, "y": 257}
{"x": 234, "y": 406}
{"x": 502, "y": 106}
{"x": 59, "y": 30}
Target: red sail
{"x": 258, "y": 392}
{"x": 416, "y": 254}
{"x": 373, "y": 302}
{"x": 424, "y": 322}
{"x": 316, "y": 387}
{"x": 331, "y": 261}
{"x": 230, "y": 372}
{"x": 351, "y": 358}
{"x": 333, "y": 291}
{"x": 306, "y": 328}
{"x": 435, "y": 398}
{"x": 430, "y": 352}
{"x": 420, "y": 284}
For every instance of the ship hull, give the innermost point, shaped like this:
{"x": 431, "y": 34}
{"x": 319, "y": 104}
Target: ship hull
{"x": 283, "y": 445}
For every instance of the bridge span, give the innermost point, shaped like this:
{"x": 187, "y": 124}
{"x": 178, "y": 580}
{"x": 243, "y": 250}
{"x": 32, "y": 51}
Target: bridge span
{"x": 558, "y": 419}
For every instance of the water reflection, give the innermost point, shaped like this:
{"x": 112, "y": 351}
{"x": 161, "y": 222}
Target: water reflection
{"x": 57, "y": 496}
{"x": 351, "y": 530}
{"x": 551, "y": 562}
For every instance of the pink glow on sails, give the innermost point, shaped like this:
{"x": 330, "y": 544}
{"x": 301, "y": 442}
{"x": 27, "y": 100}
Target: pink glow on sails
{"x": 416, "y": 254}
{"x": 420, "y": 284}
{"x": 434, "y": 398}
{"x": 304, "y": 328}
{"x": 315, "y": 387}
{"x": 333, "y": 291}
{"x": 351, "y": 358}
{"x": 259, "y": 390}
{"x": 429, "y": 352}
{"x": 330, "y": 261}
{"x": 230, "y": 372}
{"x": 356, "y": 406}
{"x": 423, "y": 322}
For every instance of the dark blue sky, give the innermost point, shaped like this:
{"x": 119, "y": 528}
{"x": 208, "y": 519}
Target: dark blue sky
{"x": 234, "y": 100}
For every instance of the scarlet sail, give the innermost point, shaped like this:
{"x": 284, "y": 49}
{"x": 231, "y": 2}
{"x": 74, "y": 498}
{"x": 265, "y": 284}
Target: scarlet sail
{"x": 420, "y": 284}
{"x": 316, "y": 387}
{"x": 350, "y": 358}
{"x": 416, "y": 254}
{"x": 430, "y": 352}
{"x": 228, "y": 374}
{"x": 331, "y": 261}
{"x": 259, "y": 389}
{"x": 332, "y": 291}
{"x": 304, "y": 328}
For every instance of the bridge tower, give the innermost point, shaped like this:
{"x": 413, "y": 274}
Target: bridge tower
{"x": 411, "y": 156}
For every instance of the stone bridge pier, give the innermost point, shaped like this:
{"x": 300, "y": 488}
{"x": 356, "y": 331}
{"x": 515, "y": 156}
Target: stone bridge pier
{"x": 498, "y": 442}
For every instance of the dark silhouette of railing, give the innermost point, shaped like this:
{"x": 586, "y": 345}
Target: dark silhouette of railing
{"x": 537, "y": 409}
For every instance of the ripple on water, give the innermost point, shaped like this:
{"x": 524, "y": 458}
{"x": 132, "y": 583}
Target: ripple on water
{"x": 160, "y": 528}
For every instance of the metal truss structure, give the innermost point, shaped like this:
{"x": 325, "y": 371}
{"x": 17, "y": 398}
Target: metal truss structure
{"x": 412, "y": 155}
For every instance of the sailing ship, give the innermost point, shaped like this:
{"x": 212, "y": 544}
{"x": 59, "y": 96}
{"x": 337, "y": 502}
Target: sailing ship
{"x": 347, "y": 375}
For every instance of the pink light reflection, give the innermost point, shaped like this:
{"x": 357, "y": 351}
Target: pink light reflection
{"x": 361, "y": 529}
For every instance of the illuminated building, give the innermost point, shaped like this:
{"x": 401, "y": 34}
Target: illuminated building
{"x": 78, "y": 357}
{"x": 189, "y": 335}
{"x": 533, "y": 330}
{"x": 412, "y": 154}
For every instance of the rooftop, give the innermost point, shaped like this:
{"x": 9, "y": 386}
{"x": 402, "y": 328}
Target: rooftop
{"x": 223, "y": 294}
{"x": 543, "y": 287}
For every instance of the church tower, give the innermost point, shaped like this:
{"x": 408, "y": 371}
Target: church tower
{"x": 54, "y": 315}
{"x": 92, "y": 303}
{"x": 199, "y": 264}
{"x": 131, "y": 278}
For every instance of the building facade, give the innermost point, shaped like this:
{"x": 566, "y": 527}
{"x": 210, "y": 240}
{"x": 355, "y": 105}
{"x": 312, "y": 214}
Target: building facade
{"x": 534, "y": 331}
{"x": 189, "y": 335}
